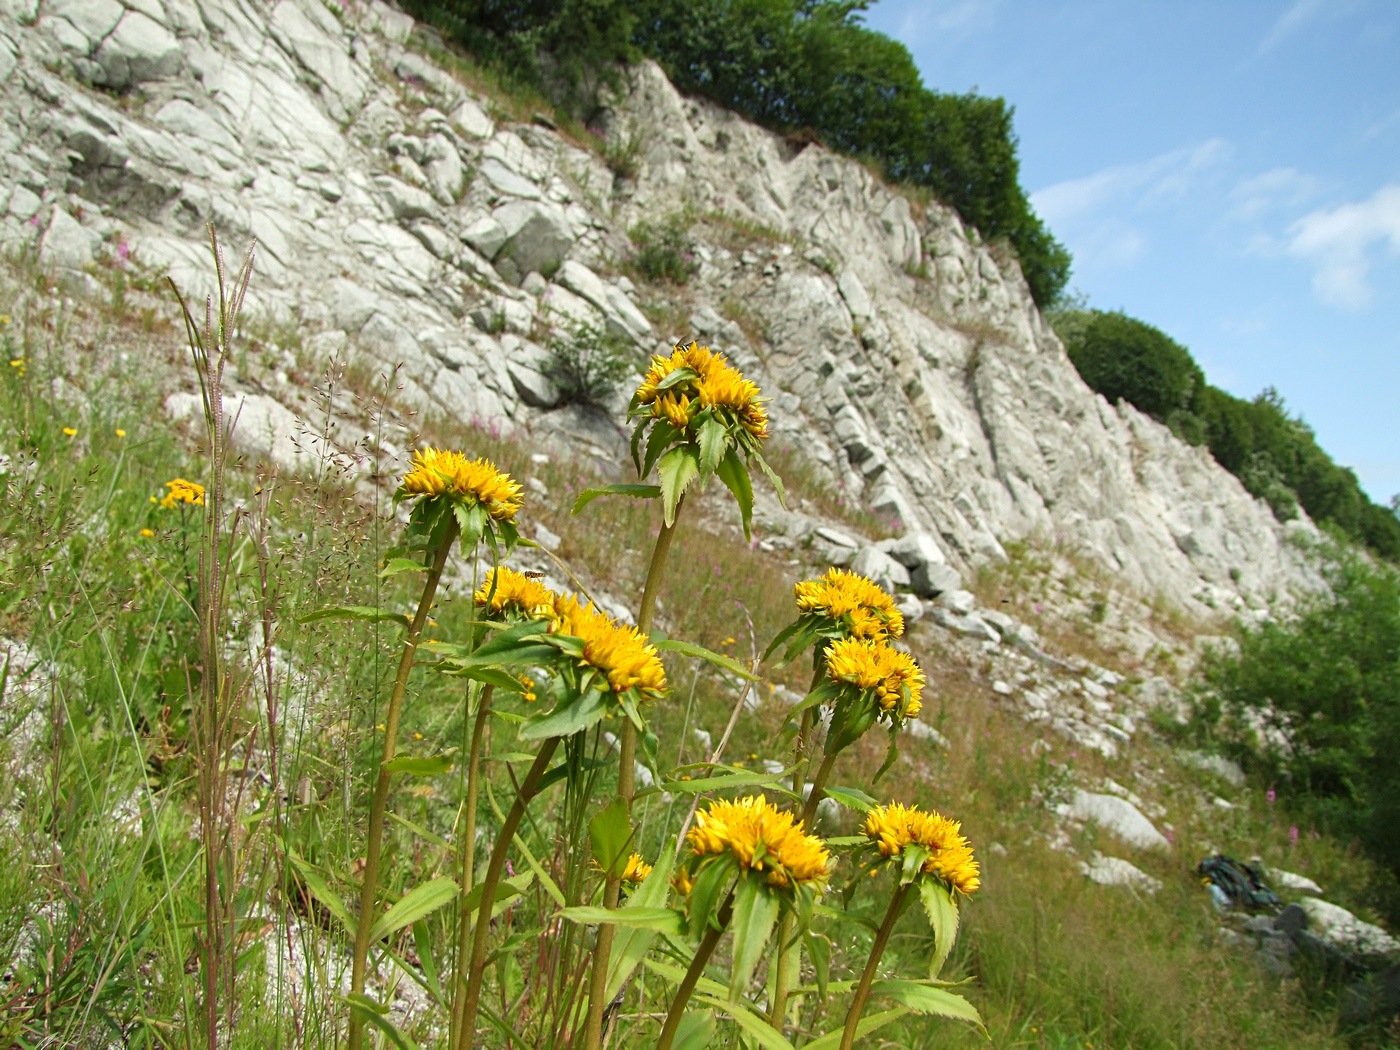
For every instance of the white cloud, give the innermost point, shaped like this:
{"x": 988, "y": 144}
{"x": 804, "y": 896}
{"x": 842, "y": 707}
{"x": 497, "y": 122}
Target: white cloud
{"x": 1272, "y": 190}
{"x": 1166, "y": 177}
{"x": 1339, "y": 243}
{"x": 1298, "y": 14}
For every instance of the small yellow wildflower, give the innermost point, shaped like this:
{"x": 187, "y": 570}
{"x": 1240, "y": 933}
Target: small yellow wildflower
{"x": 895, "y": 827}
{"x": 120, "y": 432}
{"x": 437, "y": 472}
{"x": 866, "y": 609}
{"x": 510, "y": 592}
{"x": 636, "y": 870}
{"x": 70, "y": 432}
{"x": 182, "y": 492}
{"x": 146, "y": 533}
{"x": 529, "y": 691}
{"x": 894, "y": 676}
{"x": 619, "y": 651}
{"x": 762, "y": 838}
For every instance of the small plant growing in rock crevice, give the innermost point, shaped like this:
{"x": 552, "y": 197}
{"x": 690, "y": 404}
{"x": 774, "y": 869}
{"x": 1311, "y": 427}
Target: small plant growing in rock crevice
{"x": 589, "y": 364}
{"x": 665, "y": 251}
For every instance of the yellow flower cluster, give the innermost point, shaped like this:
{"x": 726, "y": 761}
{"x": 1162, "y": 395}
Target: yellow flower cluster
{"x": 718, "y": 384}
{"x": 621, "y": 652}
{"x": 509, "y": 592}
{"x": 762, "y": 838}
{"x": 863, "y": 605}
{"x": 438, "y": 472}
{"x": 870, "y": 664}
{"x": 182, "y": 492}
{"x": 636, "y": 870}
{"x": 895, "y": 827}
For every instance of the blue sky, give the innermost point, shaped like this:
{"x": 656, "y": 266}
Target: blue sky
{"x": 1227, "y": 171}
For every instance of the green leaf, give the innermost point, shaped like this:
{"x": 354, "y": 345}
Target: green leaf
{"x": 923, "y": 999}
{"x": 372, "y": 1015}
{"x": 662, "y": 920}
{"x": 663, "y": 435}
{"x": 696, "y": 1030}
{"x": 777, "y": 481}
{"x": 631, "y": 943}
{"x": 420, "y": 766}
{"x": 420, "y": 831}
{"x": 610, "y": 832}
{"x": 735, "y": 476}
{"x": 321, "y": 890}
{"x": 577, "y": 714}
{"x": 699, "y": 652}
{"x": 914, "y": 857}
{"x": 491, "y": 676}
{"x": 416, "y": 903}
{"x": 819, "y": 951}
{"x": 394, "y": 566}
{"x": 508, "y": 641}
{"x": 423, "y": 943}
{"x": 756, "y": 1025}
{"x": 710, "y": 881}
{"x": 755, "y": 912}
{"x": 677, "y": 469}
{"x": 890, "y": 755}
{"x": 587, "y": 496}
{"x": 713, "y": 439}
{"x": 852, "y": 798}
{"x": 355, "y": 612}
{"x": 679, "y": 375}
{"x": 868, "y": 1024}
{"x": 942, "y": 912}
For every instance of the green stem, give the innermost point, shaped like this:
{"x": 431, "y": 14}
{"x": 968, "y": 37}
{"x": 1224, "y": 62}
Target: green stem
{"x": 528, "y": 790}
{"x": 464, "y": 925}
{"x": 692, "y": 977}
{"x": 626, "y": 778}
{"x": 370, "y": 888}
{"x": 882, "y": 938}
{"x": 818, "y": 790}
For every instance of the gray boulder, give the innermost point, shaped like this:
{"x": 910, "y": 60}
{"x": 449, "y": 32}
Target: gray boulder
{"x": 537, "y": 238}
{"x": 139, "y": 49}
{"x": 67, "y": 244}
{"x": 878, "y": 566}
{"x": 1117, "y": 816}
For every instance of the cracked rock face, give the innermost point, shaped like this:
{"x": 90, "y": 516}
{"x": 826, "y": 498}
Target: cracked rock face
{"x": 398, "y": 219}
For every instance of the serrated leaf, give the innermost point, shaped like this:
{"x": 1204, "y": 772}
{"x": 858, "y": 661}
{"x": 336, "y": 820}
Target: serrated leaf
{"x": 677, "y": 469}
{"x": 741, "y": 779}
{"x": 587, "y": 496}
{"x": 394, "y": 566}
{"x": 852, "y": 798}
{"x": 416, "y": 903}
{"x": 942, "y": 911}
{"x": 420, "y": 766}
{"x": 578, "y": 714}
{"x": 735, "y": 476}
{"x": 757, "y": 1026}
{"x": 355, "y": 612}
{"x": 699, "y": 652}
{"x": 662, "y": 920}
{"x": 712, "y": 442}
{"x": 663, "y": 435}
{"x": 610, "y": 833}
{"x": 755, "y": 912}
{"x": 923, "y": 999}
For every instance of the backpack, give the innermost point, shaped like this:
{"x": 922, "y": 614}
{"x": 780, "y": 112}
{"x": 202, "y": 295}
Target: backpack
{"x": 1243, "y": 884}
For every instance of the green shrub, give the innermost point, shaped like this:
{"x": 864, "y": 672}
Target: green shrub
{"x": 665, "y": 251}
{"x": 1125, "y": 359}
{"x": 590, "y": 364}
{"x": 1312, "y": 705}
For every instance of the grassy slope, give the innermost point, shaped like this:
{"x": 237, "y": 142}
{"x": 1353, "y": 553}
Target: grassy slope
{"x": 101, "y": 888}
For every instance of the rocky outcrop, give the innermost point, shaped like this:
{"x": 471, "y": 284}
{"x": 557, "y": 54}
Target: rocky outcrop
{"x": 400, "y": 221}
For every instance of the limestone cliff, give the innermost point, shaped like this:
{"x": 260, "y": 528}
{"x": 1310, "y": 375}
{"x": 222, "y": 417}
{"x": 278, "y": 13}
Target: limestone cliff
{"x": 401, "y": 215}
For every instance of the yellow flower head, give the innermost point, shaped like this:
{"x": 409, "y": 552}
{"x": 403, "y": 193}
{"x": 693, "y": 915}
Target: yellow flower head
{"x": 619, "y": 651}
{"x": 146, "y": 534}
{"x": 636, "y": 870}
{"x": 762, "y": 838}
{"x": 120, "y": 432}
{"x": 437, "y": 472}
{"x": 717, "y": 384}
{"x": 513, "y": 593}
{"x": 70, "y": 432}
{"x": 895, "y": 827}
{"x": 864, "y": 607}
{"x": 181, "y": 492}
{"x": 896, "y": 679}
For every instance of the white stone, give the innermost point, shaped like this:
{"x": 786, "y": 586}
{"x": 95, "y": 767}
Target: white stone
{"x": 486, "y": 235}
{"x": 471, "y": 120}
{"x": 1340, "y": 928}
{"x": 1115, "y": 871}
{"x": 137, "y": 50}
{"x": 1292, "y": 881}
{"x": 66, "y": 243}
{"x": 1117, "y": 816}
{"x": 837, "y": 537}
{"x": 960, "y": 602}
{"x": 876, "y": 565}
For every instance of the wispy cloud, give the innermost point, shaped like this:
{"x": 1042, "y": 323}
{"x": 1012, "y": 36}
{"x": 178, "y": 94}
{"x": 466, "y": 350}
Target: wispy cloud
{"x": 1166, "y": 177}
{"x": 1273, "y": 190}
{"x": 1340, "y": 243}
{"x": 945, "y": 18}
{"x": 1299, "y": 14}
